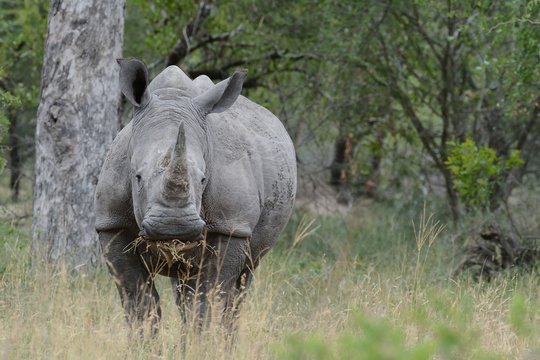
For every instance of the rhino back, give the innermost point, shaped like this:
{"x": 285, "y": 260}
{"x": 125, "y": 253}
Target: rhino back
{"x": 113, "y": 203}
{"x": 253, "y": 170}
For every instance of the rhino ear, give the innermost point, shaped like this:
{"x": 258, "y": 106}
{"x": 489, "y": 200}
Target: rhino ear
{"x": 221, "y": 96}
{"x": 133, "y": 81}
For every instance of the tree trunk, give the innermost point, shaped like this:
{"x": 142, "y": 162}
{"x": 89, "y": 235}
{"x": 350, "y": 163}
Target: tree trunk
{"x": 372, "y": 182}
{"x": 340, "y": 170}
{"x": 14, "y": 163}
{"x": 76, "y": 122}
{"x": 453, "y": 200}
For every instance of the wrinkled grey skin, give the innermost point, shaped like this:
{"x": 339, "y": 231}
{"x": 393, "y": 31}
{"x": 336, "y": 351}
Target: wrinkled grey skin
{"x": 197, "y": 159}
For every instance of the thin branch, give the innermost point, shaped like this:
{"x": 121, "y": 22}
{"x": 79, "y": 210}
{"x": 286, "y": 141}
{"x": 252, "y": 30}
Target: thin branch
{"x": 182, "y": 46}
{"x": 425, "y": 136}
{"x": 416, "y": 24}
{"x": 533, "y": 119}
{"x": 216, "y": 38}
{"x": 272, "y": 55}
{"x": 223, "y": 71}
{"x": 504, "y": 23}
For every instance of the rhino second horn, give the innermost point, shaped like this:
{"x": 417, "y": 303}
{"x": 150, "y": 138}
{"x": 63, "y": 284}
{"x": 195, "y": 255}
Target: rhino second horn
{"x": 177, "y": 177}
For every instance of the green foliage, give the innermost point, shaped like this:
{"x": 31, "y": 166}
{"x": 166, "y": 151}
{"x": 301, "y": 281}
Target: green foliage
{"x": 23, "y": 27}
{"x": 13, "y": 242}
{"x": 372, "y": 339}
{"x": 445, "y": 71}
{"x": 520, "y": 316}
{"x": 22, "y": 32}
{"x": 7, "y": 100}
{"x": 153, "y": 27}
{"x": 375, "y": 70}
{"x": 378, "y": 340}
{"x": 477, "y": 171}
{"x": 234, "y": 34}
{"x": 400, "y": 77}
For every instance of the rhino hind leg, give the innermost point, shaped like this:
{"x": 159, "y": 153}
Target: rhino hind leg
{"x": 215, "y": 291}
{"x": 135, "y": 284}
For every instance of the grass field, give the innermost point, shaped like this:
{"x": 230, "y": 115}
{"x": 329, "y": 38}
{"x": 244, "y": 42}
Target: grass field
{"x": 376, "y": 284}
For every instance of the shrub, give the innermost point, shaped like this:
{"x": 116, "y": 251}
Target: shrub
{"x": 477, "y": 172}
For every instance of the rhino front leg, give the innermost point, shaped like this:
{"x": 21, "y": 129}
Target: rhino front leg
{"x": 135, "y": 285}
{"x": 215, "y": 290}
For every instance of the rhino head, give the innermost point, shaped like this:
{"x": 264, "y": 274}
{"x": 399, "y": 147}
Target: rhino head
{"x": 170, "y": 147}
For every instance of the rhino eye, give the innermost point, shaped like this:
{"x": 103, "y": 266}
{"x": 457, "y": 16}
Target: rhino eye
{"x": 203, "y": 180}
{"x": 138, "y": 177}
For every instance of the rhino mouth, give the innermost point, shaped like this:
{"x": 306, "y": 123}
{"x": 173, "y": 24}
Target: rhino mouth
{"x": 162, "y": 237}
{"x": 158, "y": 230}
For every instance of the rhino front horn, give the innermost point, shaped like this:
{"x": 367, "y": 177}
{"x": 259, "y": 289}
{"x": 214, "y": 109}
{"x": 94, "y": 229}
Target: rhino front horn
{"x": 177, "y": 172}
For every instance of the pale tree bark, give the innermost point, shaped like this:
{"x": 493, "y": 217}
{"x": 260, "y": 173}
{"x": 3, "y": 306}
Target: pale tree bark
{"x": 76, "y": 122}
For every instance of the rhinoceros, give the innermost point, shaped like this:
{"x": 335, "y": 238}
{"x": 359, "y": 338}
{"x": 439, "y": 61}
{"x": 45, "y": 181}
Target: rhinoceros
{"x": 197, "y": 187}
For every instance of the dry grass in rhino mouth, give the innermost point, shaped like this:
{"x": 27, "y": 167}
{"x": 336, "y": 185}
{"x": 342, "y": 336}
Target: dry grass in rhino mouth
{"x": 170, "y": 250}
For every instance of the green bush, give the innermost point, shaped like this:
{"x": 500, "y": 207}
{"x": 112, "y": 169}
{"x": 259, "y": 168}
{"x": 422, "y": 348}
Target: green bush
{"x": 364, "y": 340}
{"x": 367, "y": 339}
{"x": 6, "y": 100}
{"x": 478, "y": 171}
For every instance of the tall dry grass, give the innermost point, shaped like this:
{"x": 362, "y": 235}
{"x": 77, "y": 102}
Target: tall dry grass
{"x": 305, "y": 302}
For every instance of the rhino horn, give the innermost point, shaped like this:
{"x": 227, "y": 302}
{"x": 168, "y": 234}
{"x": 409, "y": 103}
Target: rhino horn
{"x": 177, "y": 177}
